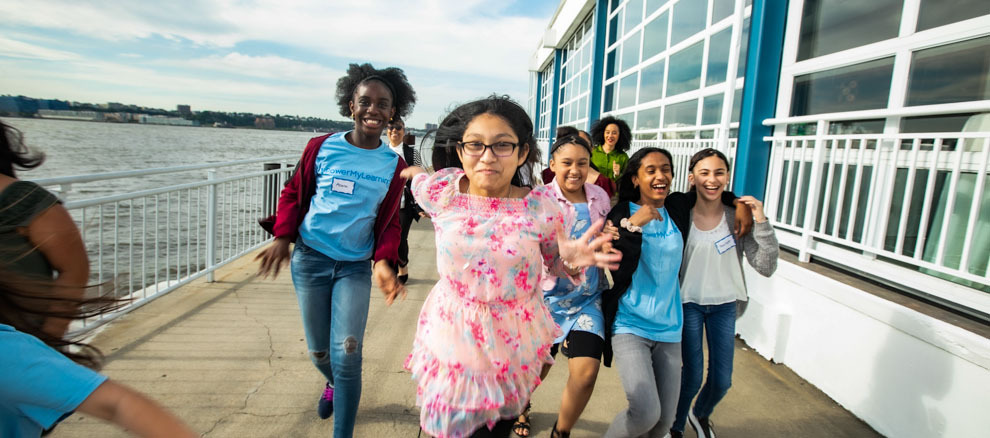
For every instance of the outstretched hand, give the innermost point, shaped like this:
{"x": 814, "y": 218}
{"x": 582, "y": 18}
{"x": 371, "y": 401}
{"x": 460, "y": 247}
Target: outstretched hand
{"x": 387, "y": 281}
{"x": 585, "y": 251}
{"x": 273, "y": 258}
{"x": 410, "y": 172}
{"x": 744, "y": 218}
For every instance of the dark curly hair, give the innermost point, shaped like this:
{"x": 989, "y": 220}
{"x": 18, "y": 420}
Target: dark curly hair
{"x": 627, "y": 191}
{"x": 13, "y": 152}
{"x": 625, "y": 134}
{"x": 451, "y": 131}
{"x": 403, "y": 95}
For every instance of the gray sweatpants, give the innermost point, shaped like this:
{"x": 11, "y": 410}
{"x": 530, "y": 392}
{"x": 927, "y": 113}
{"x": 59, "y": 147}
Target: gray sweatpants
{"x": 651, "y": 376}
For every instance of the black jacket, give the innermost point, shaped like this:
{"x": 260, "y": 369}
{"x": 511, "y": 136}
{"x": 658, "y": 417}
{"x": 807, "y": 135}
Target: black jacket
{"x": 678, "y": 207}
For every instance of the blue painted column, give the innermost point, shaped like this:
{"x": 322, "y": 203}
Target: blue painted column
{"x": 759, "y": 101}
{"x": 597, "y": 61}
{"x": 555, "y": 93}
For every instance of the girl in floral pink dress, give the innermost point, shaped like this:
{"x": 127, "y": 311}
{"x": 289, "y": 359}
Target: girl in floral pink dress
{"x": 484, "y": 333}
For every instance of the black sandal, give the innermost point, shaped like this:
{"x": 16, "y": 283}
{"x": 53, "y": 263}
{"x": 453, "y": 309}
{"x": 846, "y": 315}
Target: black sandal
{"x": 554, "y": 433}
{"x": 521, "y": 427}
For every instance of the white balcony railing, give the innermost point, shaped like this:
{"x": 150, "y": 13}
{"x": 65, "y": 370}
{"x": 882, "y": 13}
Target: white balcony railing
{"x": 908, "y": 209}
{"x": 143, "y": 244}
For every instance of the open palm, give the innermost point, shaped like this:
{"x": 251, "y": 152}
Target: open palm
{"x": 585, "y": 251}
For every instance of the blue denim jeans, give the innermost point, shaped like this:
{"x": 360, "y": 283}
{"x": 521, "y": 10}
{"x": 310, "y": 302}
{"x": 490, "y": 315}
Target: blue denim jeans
{"x": 333, "y": 299}
{"x": 719, "y": 323}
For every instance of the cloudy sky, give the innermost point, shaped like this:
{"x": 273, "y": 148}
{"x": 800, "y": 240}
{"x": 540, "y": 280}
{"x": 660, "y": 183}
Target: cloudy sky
{"x": 265, "y": 56}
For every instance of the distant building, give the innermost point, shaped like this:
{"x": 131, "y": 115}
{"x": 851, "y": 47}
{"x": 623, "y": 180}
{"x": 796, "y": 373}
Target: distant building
{"x": 70, "y": 115}
{"x": 184, "y": 110}
{"x": 430, "y": 126}
{"x": 264, "y": 123}
{"x": 165, "y": 120}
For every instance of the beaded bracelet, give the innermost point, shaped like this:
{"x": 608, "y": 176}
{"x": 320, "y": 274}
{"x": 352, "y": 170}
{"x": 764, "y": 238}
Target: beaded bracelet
{"x": 625, "y": 223}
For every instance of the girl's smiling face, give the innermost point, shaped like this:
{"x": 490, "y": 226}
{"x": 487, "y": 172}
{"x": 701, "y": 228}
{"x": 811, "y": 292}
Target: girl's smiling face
{"x": 488, "y": 174}
{"x": 570, "y": 163}
{"x": 653, "y": 178}
{"x": 371, "y": 108}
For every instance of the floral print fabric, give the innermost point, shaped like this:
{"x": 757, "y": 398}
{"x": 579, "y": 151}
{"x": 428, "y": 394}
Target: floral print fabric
{"x": 483, "y": 333}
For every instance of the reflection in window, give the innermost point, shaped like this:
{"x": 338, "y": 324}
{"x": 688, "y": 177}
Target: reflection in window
{"x": 610, "y": 64}
{"x": 737, "y": 100}
{"x": 857, "y": 87}
{"x": 743, "y": 48}
{"x": 829, "y": 26}
{"x": 613, "y": 30}
{"x": 940, "y": 123}
{"x": 951, "y": 73}
{"x": 634, "y": 14}
{"x": 842, "y": 127}
{"x": 655, "y": 36}
{"x": 627, "y": 90}
{"x": 718, "y": 57}
{"x": 648, "y": 119}
{"x": 722, "y": 9}
{"x": 653, "y": 5}
{"x": 630, "y": 52}
{"x": 608, "y": 99}
{"x": 681, "y": 114}
{"x": 684, "y": 73}
{"x": 711, "y": 110}
{"x": 934, "y": 13}
{"x": 651, "y": 83}
{"x": 688, "y": 19}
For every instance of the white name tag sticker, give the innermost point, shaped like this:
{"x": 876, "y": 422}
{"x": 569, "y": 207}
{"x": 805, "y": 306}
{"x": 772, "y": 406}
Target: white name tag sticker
{"x": 344, "y": 186}
{"x": 724, "y": 244}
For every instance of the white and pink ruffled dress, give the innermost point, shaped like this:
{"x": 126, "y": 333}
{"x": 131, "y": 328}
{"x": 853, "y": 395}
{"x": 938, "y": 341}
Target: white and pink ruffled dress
{"x": 484, "y": 332}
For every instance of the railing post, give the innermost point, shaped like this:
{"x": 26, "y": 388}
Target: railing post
{"x": 211, "y": 224}
{"x": 814, "y": 187}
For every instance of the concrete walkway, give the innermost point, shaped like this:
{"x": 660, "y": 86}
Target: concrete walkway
{"x": 229, "y": 357}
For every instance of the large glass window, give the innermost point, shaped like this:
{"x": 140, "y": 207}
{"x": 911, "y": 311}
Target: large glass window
{"x": 936, "y": 13}
{"x": 721, "y": 9}
{"x": 634, "y": 14}
{"x": 689, "y": 18}
{"x": 627, "y": 90}
{"x": 653, "y": 5}
{"x": 651, "y": 83}
{"x": 857, "y": 87}
{"x": 648, "y": 119}
{"x": 718, "y": 57}
{"x": 546, "y": 88}
{"x": 655, "y": 36}
{"x": 681, "y": 114}
{"x": 575, "y": 69}
{"x": 743, "y": 48}
{"x": 630, "y": 52}
{"x": 711, "y": 109}
{"x": 685, "y": 70}
{"x": 829, "y": 26}
{"x": 951, "y": 73}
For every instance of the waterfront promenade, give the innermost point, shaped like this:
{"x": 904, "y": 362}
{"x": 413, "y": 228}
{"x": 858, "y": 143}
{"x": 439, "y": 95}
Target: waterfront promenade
{"x": 229, "y": 358}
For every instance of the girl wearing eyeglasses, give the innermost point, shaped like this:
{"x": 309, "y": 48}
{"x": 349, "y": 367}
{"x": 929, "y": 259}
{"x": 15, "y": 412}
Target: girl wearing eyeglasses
{"x": 484, "y": 333}
{"x": 340, "y": 208}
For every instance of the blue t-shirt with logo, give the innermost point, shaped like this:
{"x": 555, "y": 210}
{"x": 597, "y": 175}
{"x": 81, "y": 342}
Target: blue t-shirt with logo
{"x": 651, "y": 307}
{"x": 351, "y": 184}
{"x": 38, "y": 385}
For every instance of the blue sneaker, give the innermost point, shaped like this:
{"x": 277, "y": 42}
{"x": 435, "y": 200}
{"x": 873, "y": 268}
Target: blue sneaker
{"x": 324, "y": 407}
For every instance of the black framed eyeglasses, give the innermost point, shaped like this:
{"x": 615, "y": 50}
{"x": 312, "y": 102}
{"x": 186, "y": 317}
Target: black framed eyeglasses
{"x": 477, "y": 148}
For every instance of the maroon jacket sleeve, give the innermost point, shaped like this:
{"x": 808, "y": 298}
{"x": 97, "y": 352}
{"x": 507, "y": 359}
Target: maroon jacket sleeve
{"x": 293, "y": 203}
{"x": 387, "y": 227}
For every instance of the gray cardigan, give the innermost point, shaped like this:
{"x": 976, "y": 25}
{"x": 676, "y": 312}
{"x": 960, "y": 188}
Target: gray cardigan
{"x": 759, "y": 246}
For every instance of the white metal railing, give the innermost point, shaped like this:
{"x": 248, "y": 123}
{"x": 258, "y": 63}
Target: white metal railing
{"x": 143, "y": 244}
{"x": 911, "y": 209}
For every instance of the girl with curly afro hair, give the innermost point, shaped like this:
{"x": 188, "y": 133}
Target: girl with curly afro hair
{"x": 341, "y": 209}
{"x": 611, "y": 137}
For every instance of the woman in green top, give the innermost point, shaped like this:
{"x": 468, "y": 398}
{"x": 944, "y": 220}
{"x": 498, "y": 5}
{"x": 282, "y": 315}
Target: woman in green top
{"x": 611, "y": 137}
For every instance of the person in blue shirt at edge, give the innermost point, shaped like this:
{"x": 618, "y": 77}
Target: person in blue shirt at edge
{"x": 44, "y": 377}
{"x": 341, "y": 209}
{"x": 643, "y": 308}
{"x": 711, "y": 283}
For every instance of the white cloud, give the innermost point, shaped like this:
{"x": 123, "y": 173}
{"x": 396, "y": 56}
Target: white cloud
{"x": 465, "y": 36}
{"x": 19, "y": 49}
{"x": 268, "y": 67}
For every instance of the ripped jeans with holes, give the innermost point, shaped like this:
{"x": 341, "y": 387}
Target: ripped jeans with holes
{"x": 333, "y": 299}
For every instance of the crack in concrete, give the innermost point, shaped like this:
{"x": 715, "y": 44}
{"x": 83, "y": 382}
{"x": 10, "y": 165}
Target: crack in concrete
{"x": 257, "y": 388}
